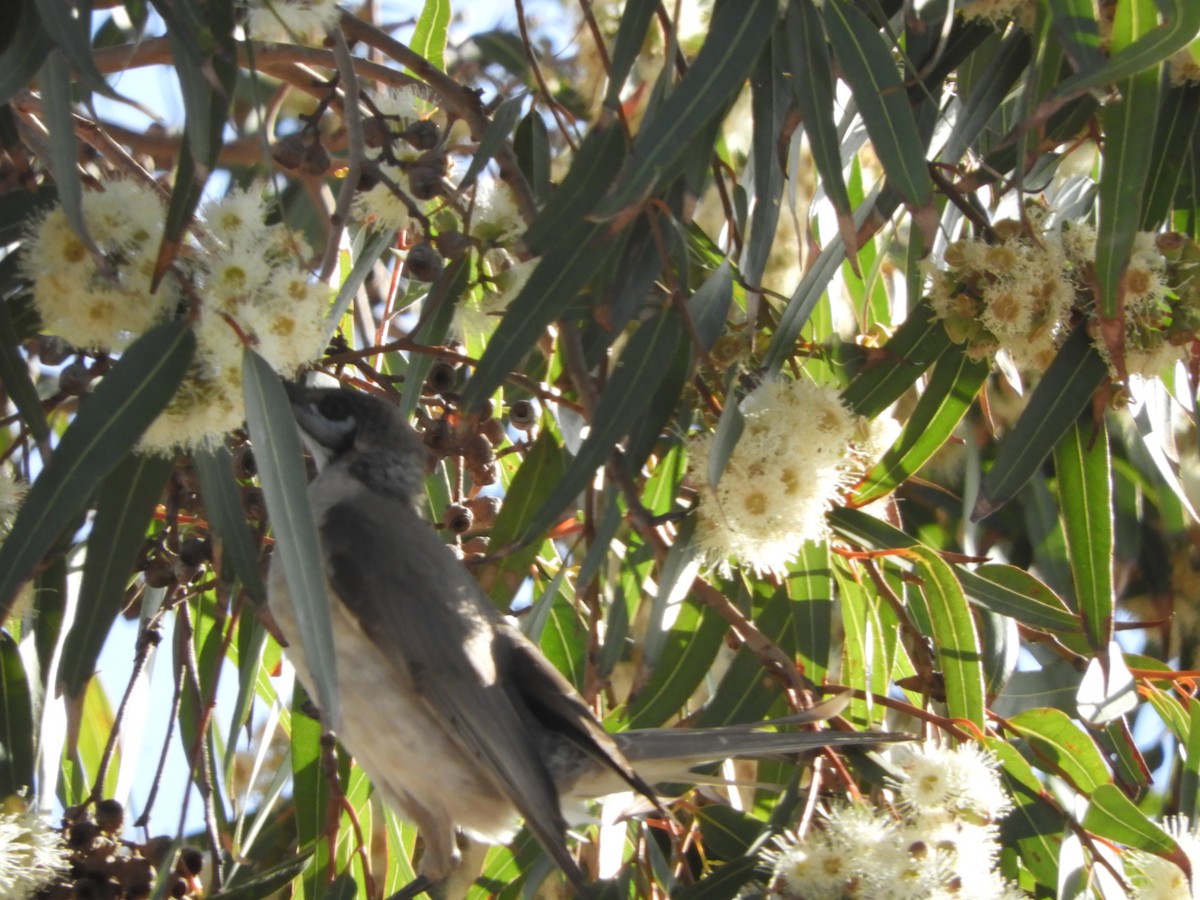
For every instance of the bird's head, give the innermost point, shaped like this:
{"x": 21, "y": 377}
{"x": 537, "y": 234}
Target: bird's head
{"x": 363, "y": 433}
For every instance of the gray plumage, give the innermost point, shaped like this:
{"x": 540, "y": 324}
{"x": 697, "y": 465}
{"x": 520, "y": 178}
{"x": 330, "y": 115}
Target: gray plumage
{"x": 457, "y": 718}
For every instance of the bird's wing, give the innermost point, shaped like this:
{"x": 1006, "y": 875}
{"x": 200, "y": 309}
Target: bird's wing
{"x": 426, "y": 612}
{"x": 556, "y": 704}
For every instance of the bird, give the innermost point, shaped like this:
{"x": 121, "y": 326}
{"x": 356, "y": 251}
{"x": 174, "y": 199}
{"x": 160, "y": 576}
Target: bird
{"x": 460, "y": 722}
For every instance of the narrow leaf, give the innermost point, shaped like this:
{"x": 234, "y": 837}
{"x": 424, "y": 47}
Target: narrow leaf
{"x": 1081, "y": 461}
{"x": 55, "y": 81}
{"x": 1126, "y": 162}
{"x": 895, "y": 367}
{"x": 429, "y": 37}
{"x": 18, "y": 740}
{"x": 497, "y": 132}
{"x": 277, "y": 453}
{"x": 954, "y": 635}
{"x": 1062, "y": 747}
{"x": 813, "y": 87}
{"x": 952, "y": 388}
{"x": 1113, "y": 815}
{"x": 631, "y": 35}
{"x": 631, "y": 386}
{"x": 1062, "y": 394}
{"x": 227, "y": 519}
{"x": 867, "y": 65}
{"x": 124, "y": 507}
{"x": 107, "y": 427}
{"x": 736, "y": 36}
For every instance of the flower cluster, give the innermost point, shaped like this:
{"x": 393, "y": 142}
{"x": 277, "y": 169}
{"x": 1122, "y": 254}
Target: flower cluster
{"x": 1012, "y": 295}
{"x": 101, "y": 301}
{"x": 1015, "y": 295}
{"x": 797, "y": 452}
{"x": 32, "y": 854}
{"x": 248, "y": 279}
{"x": 943, "y": 845}
{"x": 1155, "y": 878}
{"x": 12, "y": 493}
{"x": 284, "y": 20}
{"x": 1162, "y": 296}
{"x": 1000, "y": 12}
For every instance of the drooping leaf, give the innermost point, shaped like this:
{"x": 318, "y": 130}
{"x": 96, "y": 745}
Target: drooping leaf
{"x": 1059, "y": 398}
{"x": 235, "y": 546}
{"x": 631, "y": 387}
{"x": 107, "y": 426}
{"x": 952, "y": 388}
{"x": 866, "y": 64}
{"x": 1113, "y": 815}
{"x": 277, "y": 454}
{"x": 954, "y": 634}
{"x": 1081, "y": 462}
{"x": 736, "y": 36}
{"x": 1126, "y": 160}
{"x": 124, "y": 506}
{"x": 1062, "y": 747}
{"x": 18, "y": 740}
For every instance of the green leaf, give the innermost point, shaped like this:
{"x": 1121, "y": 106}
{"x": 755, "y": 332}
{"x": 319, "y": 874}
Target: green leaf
{"x": 867, "y": 65}
{"x": 437, "y": 315}
{"x": 27, "y": 48}
{"x": 1189, "y": 783}
{"x": 813, "y": 87}
{"x": 812, "y": 286}
{"x": 736, "y": 37}
{"x": 1062, "y": 394}
{"x": 70, "y": 29}
{"x": 17, "y": 736}
{"x": 125, "y": 505}
{"x": 631, "y": 35}
{"x": 1139, "y": 43}
{"x": 497, "y": 132}
{"x": 268, "y": 881}
{"x": 531, "y": 144}
{"x": 429, "y": 37}
{"x": 55, "y": 81}
{"x": 952, "y": 388}
{"x": 770, "y": 95}
{"x": 631, "y": 387}
{"x": 915, "y": 346}
{"x": 688, "y": 653}
{"x": 957, "y": 643}
{"x": 1016, "y": 593}
{"x": 743, "y": 695}
{"x": 1076, "y": 26}
{"x": 1001, "y": 589}
{"x": 1176, "y": 126}
{"x": 595, "y": 165}
{"x": 709, "y": 306}
{"x": 1062, "y": 747}
{"x": 561, "y": 274}
{"x": 14, "y": 375}
{"x": 1126, "y": 160}
{"x": 234, "y": 541}
{"x": 277, "y": 454}
{"x": 1081, "y": 462}
{"x": 106, "y": 427}
{"x": 528, "y": 492}
{"x": 1113, "y": 815}
{"x": 810, "y": 585}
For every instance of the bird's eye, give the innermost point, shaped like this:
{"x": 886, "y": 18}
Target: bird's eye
{"x": 335, "y": 407}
